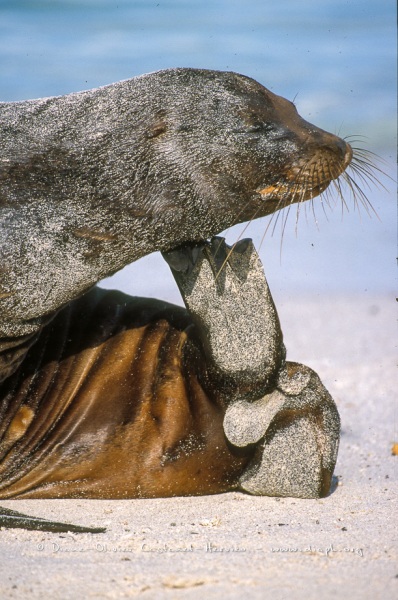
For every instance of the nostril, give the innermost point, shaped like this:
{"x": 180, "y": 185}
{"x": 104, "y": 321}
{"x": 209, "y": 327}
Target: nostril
{"x": 343, "y": 149}
{"x": 347, "y": 154}
{"x": 341, "y": 145}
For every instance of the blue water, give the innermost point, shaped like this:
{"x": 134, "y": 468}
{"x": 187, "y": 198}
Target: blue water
{"x": 337, "y": 58}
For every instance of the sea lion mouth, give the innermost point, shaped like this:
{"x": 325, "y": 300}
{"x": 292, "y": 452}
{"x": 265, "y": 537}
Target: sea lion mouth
{"x": 310, "y": 178}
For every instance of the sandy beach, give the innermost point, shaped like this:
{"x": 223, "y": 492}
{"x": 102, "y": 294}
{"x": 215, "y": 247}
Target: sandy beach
{"x": 234, "y": 545}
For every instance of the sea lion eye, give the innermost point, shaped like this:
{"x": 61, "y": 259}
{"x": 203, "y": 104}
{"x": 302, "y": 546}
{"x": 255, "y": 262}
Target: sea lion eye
{"x": 254, "y": 128}
{"x": 259, "y": 127}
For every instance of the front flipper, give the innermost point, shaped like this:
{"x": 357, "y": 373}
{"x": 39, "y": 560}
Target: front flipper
{"x": 227, "y": 296}
{"x": 296, "y": 429}
{"x": 16, "y": 520}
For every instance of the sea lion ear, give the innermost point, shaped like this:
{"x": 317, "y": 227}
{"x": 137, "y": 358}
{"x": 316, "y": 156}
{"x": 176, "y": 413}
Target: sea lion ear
{"x": 246, "y": 422}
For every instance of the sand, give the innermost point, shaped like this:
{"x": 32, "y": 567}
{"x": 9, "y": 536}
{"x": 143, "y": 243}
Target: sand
{"x": 233, "y": 545}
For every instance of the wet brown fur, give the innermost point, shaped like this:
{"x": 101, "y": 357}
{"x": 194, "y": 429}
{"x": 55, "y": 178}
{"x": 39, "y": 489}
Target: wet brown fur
{"x": 113, "y": 401}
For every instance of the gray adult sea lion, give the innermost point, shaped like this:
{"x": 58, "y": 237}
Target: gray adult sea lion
{"x": 90, "y": 182}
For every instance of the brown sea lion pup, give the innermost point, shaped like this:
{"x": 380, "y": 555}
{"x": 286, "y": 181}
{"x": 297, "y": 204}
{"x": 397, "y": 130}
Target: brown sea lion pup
{"x": 90, "y": 182}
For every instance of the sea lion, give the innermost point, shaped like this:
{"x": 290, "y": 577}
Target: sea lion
{"x": 13, "y": 519}
{"x": 124, "y": 397}
{"x": 92, "y": 181}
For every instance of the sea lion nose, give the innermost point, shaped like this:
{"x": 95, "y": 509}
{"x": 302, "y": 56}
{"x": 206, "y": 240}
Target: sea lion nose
{"x": 343, "y": 149}
{"x": 348, "y": 154}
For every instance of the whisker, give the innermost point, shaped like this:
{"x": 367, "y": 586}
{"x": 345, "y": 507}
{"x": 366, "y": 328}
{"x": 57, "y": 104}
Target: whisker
{"x": 297, "y": 190}
{"x": 324, "y": 199}
{"x": 312, "y": 204}
{"x": 354, "y": 192}
{"x": 360, "y": 140}
{"x": 283, "y": 228}
{"x": 359, "y": 178}
{"x": 368, "y": 169}
{"x": 280, "y": 210}
{"x": 362, "y": 174}
{"x": 358, "y": 193}
{"x": 337, "y": 185}
{"x": 299, "y": 204}
{"x": 300, "y": 186}
{"x": 244, "y": 229}
{"x": 274, "y": 217}
{"x": 233, "y": 246}
{"x": 371, "y": 160}
{"x": 356, "y": 137}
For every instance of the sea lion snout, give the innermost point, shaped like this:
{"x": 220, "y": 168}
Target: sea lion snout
{"x": 321, "y": 143}
{"x": 313, "y": 146}
{"x": 313, "y": 159}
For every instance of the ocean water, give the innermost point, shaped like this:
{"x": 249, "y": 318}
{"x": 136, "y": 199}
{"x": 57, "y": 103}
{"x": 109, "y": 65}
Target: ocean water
{"x": 337, "y": 58}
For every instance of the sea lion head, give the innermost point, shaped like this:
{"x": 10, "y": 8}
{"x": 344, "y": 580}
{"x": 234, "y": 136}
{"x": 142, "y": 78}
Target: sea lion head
{"x": 242, "y": 145}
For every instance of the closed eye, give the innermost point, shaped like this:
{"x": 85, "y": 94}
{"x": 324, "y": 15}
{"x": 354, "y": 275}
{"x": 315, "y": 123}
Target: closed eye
{"x": 256, "y": 128}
